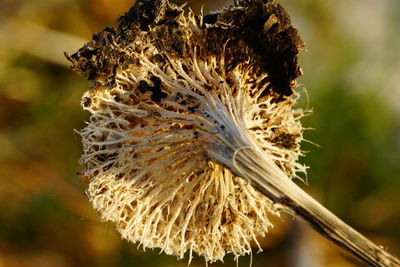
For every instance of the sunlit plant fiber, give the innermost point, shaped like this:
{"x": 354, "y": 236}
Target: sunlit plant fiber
{"x": 173, "y": 99}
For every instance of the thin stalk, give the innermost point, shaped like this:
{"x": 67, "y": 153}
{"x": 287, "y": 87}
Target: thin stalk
{"x": 263, "y": 174}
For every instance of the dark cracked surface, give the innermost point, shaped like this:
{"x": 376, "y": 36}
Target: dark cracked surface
{"x": 255, "y": 30}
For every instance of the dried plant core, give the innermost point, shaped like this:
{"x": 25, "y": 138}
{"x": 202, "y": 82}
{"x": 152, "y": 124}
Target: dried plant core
{"x": 173, "y": 99}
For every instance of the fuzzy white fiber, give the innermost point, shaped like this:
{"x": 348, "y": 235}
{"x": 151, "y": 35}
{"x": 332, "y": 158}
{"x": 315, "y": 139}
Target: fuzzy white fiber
{"x": 155, "y": 161}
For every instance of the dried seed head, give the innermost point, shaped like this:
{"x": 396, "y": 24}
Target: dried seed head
{"x": 173, "y": 99}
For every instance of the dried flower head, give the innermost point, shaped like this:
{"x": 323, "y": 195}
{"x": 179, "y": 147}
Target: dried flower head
{"x": 175, "y": 100}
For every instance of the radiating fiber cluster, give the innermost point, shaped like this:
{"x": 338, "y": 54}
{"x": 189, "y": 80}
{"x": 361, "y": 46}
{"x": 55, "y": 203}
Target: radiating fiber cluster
{"x": 173, "y": 98}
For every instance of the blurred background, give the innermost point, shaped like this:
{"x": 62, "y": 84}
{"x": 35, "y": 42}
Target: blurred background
{"x": 352, "y": 76}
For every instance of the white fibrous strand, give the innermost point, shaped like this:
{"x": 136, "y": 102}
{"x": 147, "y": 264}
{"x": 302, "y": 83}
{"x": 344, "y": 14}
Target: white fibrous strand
{"x": 158, "y": 142}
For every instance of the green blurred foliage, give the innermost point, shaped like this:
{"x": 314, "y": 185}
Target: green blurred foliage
{"x": 352, "y": 72}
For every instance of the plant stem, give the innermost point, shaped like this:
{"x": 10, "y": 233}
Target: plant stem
{"x": 264, "y": 175}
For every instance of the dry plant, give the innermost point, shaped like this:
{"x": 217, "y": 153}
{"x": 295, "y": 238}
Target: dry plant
{"x": 194, "y": 135}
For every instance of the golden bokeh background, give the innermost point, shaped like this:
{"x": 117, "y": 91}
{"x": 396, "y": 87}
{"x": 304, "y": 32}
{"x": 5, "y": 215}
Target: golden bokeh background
{"x": 352, "y": 75}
